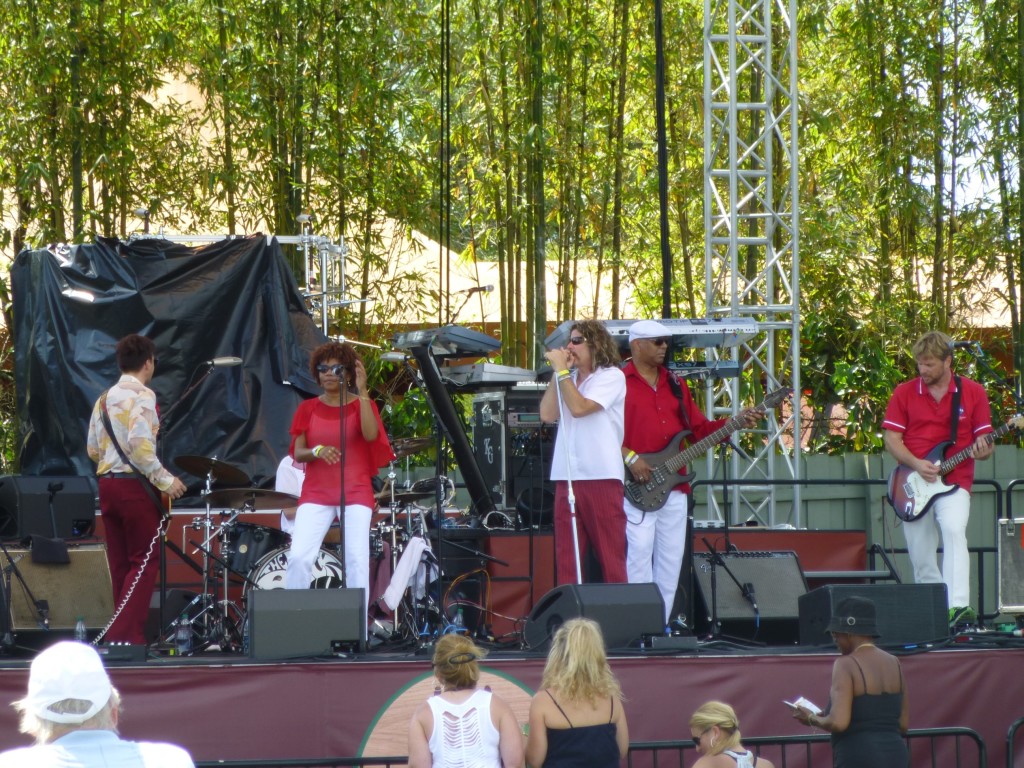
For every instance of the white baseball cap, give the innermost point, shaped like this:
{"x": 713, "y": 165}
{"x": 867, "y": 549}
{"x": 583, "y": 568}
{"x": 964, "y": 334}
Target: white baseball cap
{"x": 648, "y": 329}
{"x": 67, "y": 670}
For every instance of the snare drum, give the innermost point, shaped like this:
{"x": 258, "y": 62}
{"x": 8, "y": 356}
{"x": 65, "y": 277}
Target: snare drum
{"x": 269, "y": 572}
{"x": 247, "y": 543}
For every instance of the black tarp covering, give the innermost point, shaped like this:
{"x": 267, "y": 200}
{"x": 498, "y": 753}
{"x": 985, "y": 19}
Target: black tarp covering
{"x": 232, "y": 298}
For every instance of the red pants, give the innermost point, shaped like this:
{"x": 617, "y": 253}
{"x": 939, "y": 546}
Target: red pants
{"x": 130, "y": 521}
{"x": 600, "y": 524}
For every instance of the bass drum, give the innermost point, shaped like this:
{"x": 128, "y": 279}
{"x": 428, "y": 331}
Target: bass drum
{"x": 269, "y": 571}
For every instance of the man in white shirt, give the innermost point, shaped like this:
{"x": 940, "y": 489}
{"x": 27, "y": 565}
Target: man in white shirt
{"x": 71, "y": 709}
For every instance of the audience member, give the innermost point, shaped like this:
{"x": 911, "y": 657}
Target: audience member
{"x": 462, "y": 725}
{"x": 716, "y": 731}
{"x": 72, "y": 710}
{"x": 577, "y": 718}
{"x": 867, "y": 713}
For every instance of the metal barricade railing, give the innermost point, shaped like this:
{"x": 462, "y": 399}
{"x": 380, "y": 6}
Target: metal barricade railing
{"x": 946, "y": 747}
{"x": 1011, "y": 742}
{"x": 332, "y": 762}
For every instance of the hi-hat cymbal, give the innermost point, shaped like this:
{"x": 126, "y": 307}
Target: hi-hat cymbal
{"x": 220, "y": 471}
{"x": 255, "y": 498}
{"x": 407, "y": 446}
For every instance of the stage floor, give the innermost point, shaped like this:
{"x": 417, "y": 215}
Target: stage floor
{"x": 227, "y": 707}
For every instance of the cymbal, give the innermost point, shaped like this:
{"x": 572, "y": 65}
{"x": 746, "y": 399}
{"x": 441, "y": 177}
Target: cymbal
{"x": 256, "y": 498}
{"x": 402, "y": 497}
{"x": 220, "y": 471}
{"x": 407, "y": 446}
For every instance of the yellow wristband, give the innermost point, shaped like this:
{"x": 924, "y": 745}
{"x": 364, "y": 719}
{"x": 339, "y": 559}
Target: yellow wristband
{"x": 317, "y": 451}
{"x": 631, "y": 458}
{"x": 562, "y": 373}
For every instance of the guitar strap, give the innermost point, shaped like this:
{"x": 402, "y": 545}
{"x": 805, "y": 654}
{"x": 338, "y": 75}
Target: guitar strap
{"x": 124, "y": 457}
{"x": 677, "y": 389}
{"x": 954, "y": 416}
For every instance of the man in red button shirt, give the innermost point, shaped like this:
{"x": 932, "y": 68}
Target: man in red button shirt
{"x": 918, "y": 418}
{"x": 655, "y": 414}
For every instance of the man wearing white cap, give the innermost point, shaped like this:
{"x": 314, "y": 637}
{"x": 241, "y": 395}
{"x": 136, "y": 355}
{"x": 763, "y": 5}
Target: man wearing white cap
{"x": 71, "y": 710}
{"x": 659, "y": 407}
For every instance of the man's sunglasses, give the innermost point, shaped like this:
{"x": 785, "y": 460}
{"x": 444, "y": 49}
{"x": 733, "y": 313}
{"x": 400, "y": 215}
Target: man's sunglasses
{"x": 577, "y": 340}
{"x": 335, "y": 369}
{"x": 659, "y": 342}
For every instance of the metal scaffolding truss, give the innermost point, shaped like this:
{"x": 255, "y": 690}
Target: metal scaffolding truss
{"x": 751, "y": 238}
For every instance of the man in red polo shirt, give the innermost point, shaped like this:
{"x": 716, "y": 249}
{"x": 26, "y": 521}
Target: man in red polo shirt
{"x": 658, "y": 407}
{"x": 918, "y": 418}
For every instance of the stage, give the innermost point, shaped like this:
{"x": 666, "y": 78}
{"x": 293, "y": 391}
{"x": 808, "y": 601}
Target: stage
{"x": 222, "y": 707}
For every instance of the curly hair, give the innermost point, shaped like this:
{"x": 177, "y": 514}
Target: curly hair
{"x": 455, "y": 661}
{"x": 577, "y": 666}
{"x": 933, "y": 344}
{"x": 718, "y": 713}
{"x": 603, "y": 350}
{"x": 343, "y": 353}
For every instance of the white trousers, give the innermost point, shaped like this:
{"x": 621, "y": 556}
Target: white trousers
{"x": 948, "y": 518}
{"x": 656, "y": 543}
{"x": 311, "y": 524}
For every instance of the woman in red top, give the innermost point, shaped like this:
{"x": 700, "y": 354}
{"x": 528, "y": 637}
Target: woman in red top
{"x": 332, "y": 449}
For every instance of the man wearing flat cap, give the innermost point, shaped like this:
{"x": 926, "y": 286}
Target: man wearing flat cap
{"x": 71, "y": 710}
{"x": 659, "y": 407}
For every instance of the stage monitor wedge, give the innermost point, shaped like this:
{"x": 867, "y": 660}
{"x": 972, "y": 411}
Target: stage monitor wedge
{"x": 302, "y": 623}
{"x": 626, "y": 613}
{"x": 906, "y": 614}
{"x": 25, "y": 506}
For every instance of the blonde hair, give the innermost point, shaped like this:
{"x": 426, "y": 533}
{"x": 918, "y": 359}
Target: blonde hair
{"x": 933, "y": 344}
{"x": 46, "y": 731}
{"x": 455, "y": 661}
{"x": 577, "y": 666}
{"x": 721, "y": 714}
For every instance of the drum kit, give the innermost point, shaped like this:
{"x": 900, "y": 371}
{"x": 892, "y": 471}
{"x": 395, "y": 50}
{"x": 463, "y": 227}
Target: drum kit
{"x": 236, "y": 553}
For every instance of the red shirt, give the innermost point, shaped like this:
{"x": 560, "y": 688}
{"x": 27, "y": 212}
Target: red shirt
{"x": 925, "y": 423}
{"x": 654, "y": 416}
{"x": 320, "y": 423}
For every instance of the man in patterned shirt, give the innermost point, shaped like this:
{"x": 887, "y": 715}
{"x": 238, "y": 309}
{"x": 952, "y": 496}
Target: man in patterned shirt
{"x": 130, "y": 518}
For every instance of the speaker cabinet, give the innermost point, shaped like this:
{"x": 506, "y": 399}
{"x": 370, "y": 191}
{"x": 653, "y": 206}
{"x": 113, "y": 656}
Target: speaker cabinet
{"x": 774, "y": 582}
{"x": 295, "y": 623}
{"x": 176, "y": 602}
{"x": 907, "y": 614}
{"x": 25, "y": 506}
{"x": 626, "y": 612}
{"x": 79, "y": 588}
{"x": 1010, "y": 546}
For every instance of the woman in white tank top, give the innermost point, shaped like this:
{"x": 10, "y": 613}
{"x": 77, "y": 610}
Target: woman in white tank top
{"x": 462, "y": 726}
{"x": 715, "y": 729}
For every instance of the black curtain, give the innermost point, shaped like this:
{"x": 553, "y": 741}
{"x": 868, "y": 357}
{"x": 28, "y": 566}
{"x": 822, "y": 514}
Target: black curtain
{"x": 235, "y": 297}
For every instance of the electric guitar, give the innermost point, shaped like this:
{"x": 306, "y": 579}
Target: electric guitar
{"x": 911, "y": 496}
{"x": 666, "y": 463}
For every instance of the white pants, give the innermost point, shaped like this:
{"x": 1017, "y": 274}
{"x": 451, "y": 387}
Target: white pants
{"x": 311, "y": 524}
{"x": 656, "y": 543}
{"x": 948, "y": 517}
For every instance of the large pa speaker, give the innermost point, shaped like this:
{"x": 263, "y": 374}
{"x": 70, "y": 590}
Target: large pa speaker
{"x": 25, "y": 506}
{"x": 80, "y": 588}
{"x": 626, "y": 612}
{"x": 294, "y": 623}
{"x": 730, "y": 584}
{"x": 907, "y": 614}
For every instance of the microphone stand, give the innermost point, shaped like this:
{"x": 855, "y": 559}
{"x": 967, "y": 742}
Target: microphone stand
{"x": 746, "y": 589}
{"x": 571, "y": 494}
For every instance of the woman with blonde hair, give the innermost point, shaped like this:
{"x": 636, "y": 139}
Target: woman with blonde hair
{"x": 462, "y": 726}
{"x": 577, "y": 719}
{"x": 716, "y": 731}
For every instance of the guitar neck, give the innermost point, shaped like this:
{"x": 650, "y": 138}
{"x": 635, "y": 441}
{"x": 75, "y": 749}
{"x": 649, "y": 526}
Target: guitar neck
{"x": 694, "y": 451}
{"x": 951, "y": 462}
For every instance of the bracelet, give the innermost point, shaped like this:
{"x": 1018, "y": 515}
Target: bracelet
{"x": 631, "y": 458}
{"x": 562, "y": 374}
{"x": 317, "y": 451}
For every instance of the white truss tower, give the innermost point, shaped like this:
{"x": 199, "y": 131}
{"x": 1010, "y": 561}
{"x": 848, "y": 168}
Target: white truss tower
{"x": 751, "y": 255}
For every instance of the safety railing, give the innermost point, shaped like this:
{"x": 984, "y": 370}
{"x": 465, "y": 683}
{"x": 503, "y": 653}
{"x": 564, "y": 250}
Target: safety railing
{"x": 946, "y": 747}
{"x": 1011, "y": 742}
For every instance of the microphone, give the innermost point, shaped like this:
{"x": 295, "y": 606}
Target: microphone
{"x": 748, "y": 592}
{"x": 476, "y": 289}
{"x": 965, "y": 344}
{"x": 394, "y": 357}
{"x": 54, "y": 487}
{"x": 223, "y": 362}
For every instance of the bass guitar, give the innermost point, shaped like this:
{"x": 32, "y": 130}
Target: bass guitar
{"x": 911, "y": 496}
{"x": 666, "y": 463}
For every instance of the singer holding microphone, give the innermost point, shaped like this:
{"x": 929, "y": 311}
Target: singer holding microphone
{"x": 586, "y": 397}
{"x": 341, "y": 440}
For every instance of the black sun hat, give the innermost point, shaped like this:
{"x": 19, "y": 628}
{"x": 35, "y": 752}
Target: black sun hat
{"x": 854, "y": 616}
